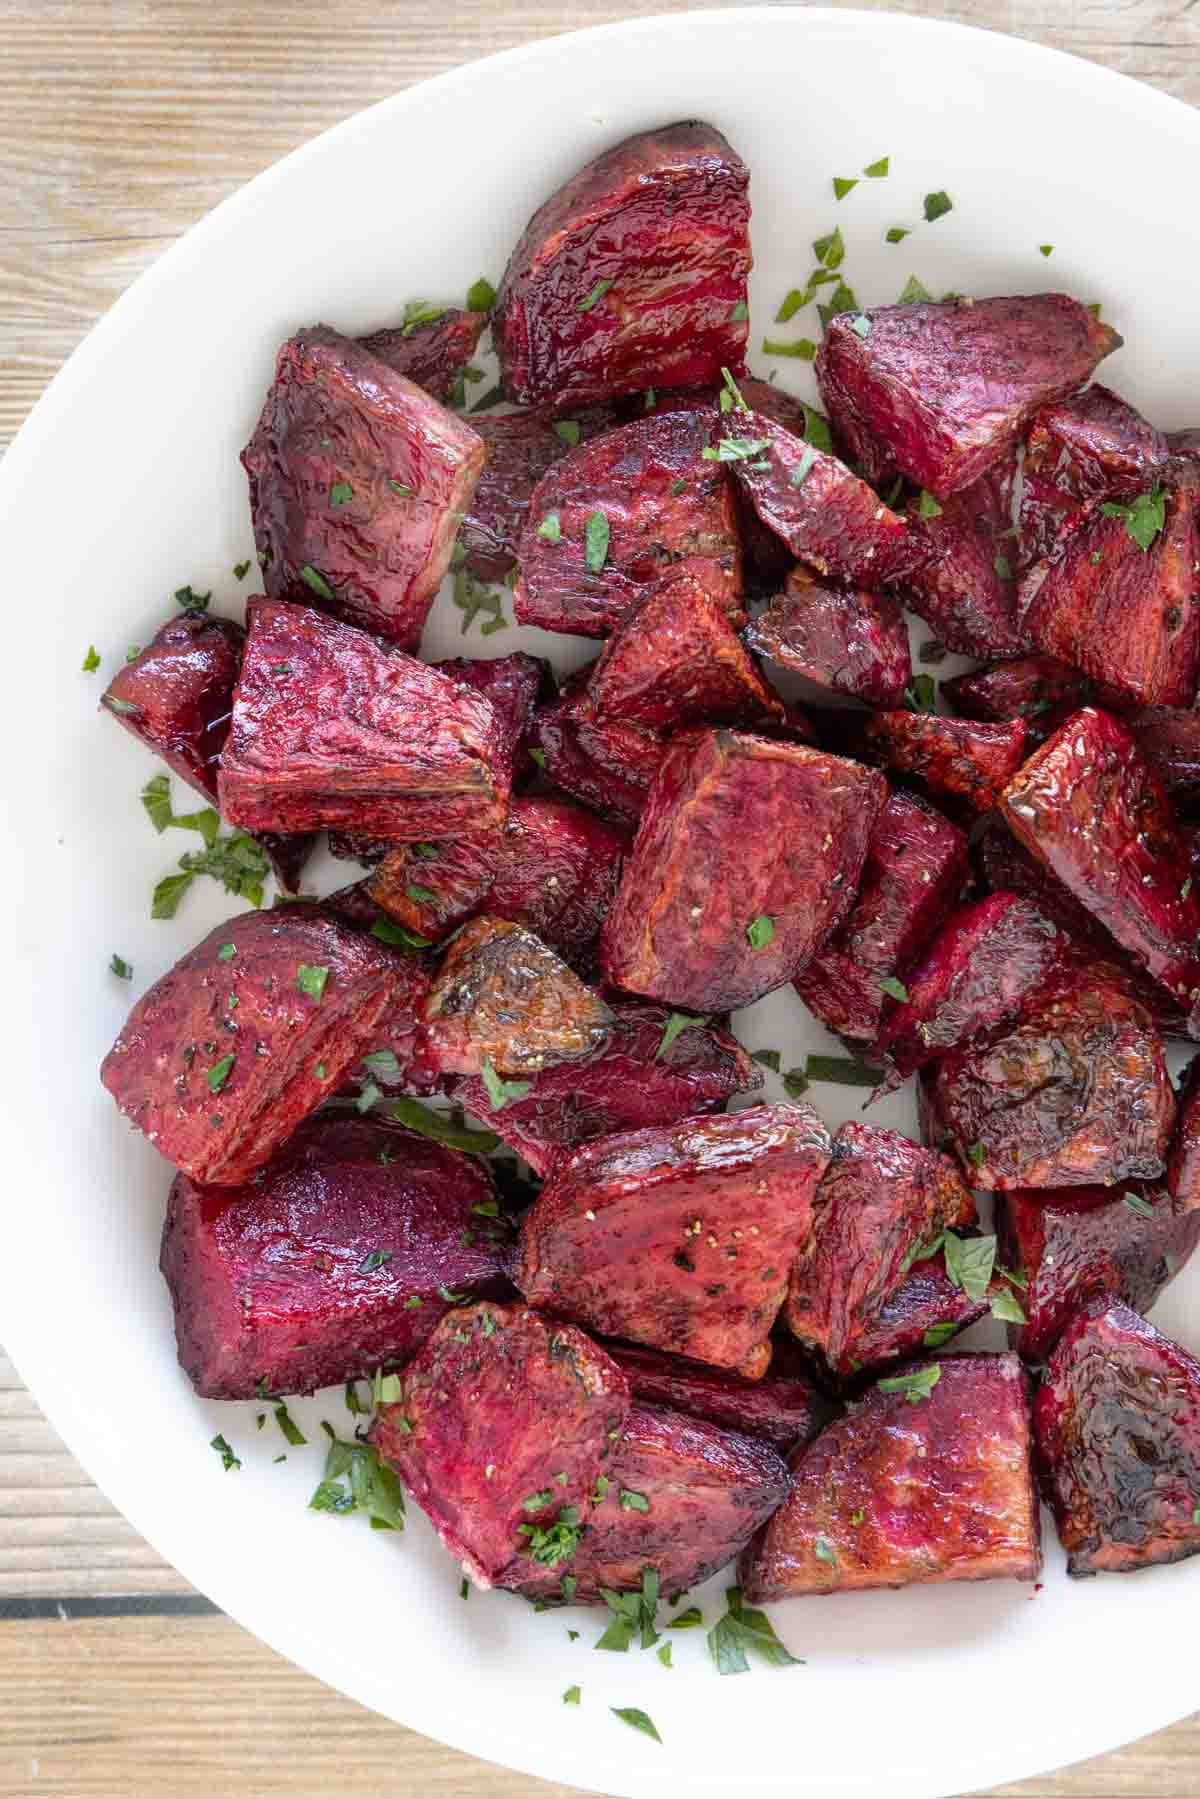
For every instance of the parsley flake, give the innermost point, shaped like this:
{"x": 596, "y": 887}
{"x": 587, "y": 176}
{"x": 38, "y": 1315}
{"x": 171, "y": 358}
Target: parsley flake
{"x": 501, "y": 1092}
{"x": 861, "y": 325}
{"x": 315, "y": 579}
{"x": 568, "y": 430}
{"x": 760, "y": 931}
{"x": 571, "y": 1696}
{"x": 218, "y": 1074}
{"x": 356, "y": 1480}
{"x": 937, "y": 205}
{"x": 913, "y": 290}
{"x": 676, "y": 1023}
{"x": 1136, "y": 1203}
{"x": 896, "y": 234}
{"x": 637, "y": 1719}
{"x": 378, "y": 1258}
{"x": 441, "y": 1129}
{"x": 633, "y": 1502}
{"x": 475, "y": 600}
{"x": 596, "y": 534}
{"x": 793, "y": 301}
{"x": 744, "y": 1628}
{"x": 969, "y": 1263}
{"x": 598, "y": 292}
{"x": 803, "y": 468}
{"x": 481, "y": 296}
{"x": 739, "y": 312}
{"x": 550, "y": 528}
{"x": 842, "y": 1070}
{"x": 876, "y": 170}
{"x": 894, "y": 988}
{"x": 768, "y": 1058}
{"x": 550, "y": 1544}
{"x": 830, "y": 250}
{"x": 311, "y": 979}
{"x": 1144, "y": 517}
{"x": 927, "y": 506}
{"x": 915, "y": 1385}
{"x": 91, "y": 661}
{"x": 383, "y": 1063}
{"x": 287, "y": 1424}
{"x": 803, "y": 347}
{"x": 825, "y": 1552}
{"x": 816, "y": 430}
{"x": 692, "y": 1619}
{"x": 921, "y": 694}
{"x": 228, "y": 1459}
{"x": 190, "y": 600}
{"x": 241, "y": 570}
{"x": 341, "y": 493}
{"x": 937, "y": 1334}
{"x": 121, "y": 968}
{"x": 842, "y": 186}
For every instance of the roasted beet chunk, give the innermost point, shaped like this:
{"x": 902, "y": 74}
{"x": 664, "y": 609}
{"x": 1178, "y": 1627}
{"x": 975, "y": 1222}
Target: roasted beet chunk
{"x": 502, "y": 1000}
{"x": 1067, "y": 1247}
{"x": 357, "y": 483}
{"x": 676, "y": 660}
{"x": 951, "y": 755}
{"x": 698, "y": 922}
{"x": 432, "y": 888}
{"x": 681, "y": 1497}
{"x": 632, "y": 275}
{"x": 1116, "y": 595}
{"x": 330, "y": 1262}
{"x": 843, "y": 638}
{"x": 1073, "y": 1093}
{"x": 965, "y": 590}
{"x": 433, "y": 352}
{"x": 881, "y": 1197}
{"x": 907, "y": 1488}
{"x": 1169, "y": 739}
{"x": 945, "y": 389}
{"x": 520, "y": 448}
{"x": 176, "y": 694}
{"x": 914, "y": 872}
{"x": 981, "y": 968}
{"x": 513, "y": 684}
{"x": 922, "y": 1314}
{"x": 330, "y": 727}
{"x": 679, "y": 1236}
{"x": 1095, "y": 445}
{"x": 1092, "y": 810}
{"x": 1118, "y": 1442}
{"x": 604, "y": 762}
{"x": 647, "y": 1071}
{"x": 222, "y": 1058}
{"x": 1029, "y": 688}
{"x": 783, "y": 1410}
{"x": 498, "y": 1405}
{"x": 1183, "y": 1166}
{"x": 608, "y": 521}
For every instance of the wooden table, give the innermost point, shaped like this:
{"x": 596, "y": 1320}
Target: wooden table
{"x": 121, "y": 123}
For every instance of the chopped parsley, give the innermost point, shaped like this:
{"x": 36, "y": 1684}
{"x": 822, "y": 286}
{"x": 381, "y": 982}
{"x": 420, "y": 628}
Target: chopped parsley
{"x": 633, "y": 1502}
{"x": 571, "y": 1696}
{"x": 356, "y": 1480}
{"x": 241, "y": 570}
{"x": 441, "y": 1129}
{"x": 843, "y": 1070}
{"x": 675, "y": 1025}
{"x": 937, "y": 1334}
{"x": 876, "y": 170}
{"x": 861, "y": 325}
{"x": 341, "y": 493}
{"x": 921, "y": 694}
{"x": 803, "y": 347}
{"x": 1046, "y": 249}
{"x": 287, "y": 1424}
{"x": 793, "y": 301}
{"x": 475, "y": 600}
{"x": 795, "y": 1083}
{"x": 596, "y": 536}
{"x": 228, "y": 1459}
{"x": 937, "y": 205}
{"x": 769, "y": 1058}
{"x": 386, "y": 930}
{"x": 311, "y": 979}
{"x": 1144, "y": 517}
{"x": 735, "y": 449}
{"x": 386, "y": 1388}
{"x": 637, "y": 1719}
{"x": 568, "y": 430}
{"x": 825, "y": 1552}
{"x": 927, "y": 506}
{"x": 121, "y": 968}
{"x": 976, "y": 1155}
{"x": 219, "y": 1073}
{"x": 663, "y": 1653}
{"x": 730, "y": 387}
{"x": 550, "y": 1544}
{"x": 1007, "y": 1307}
{"x": 383, "y": 1063}
{"x": 744, "y": 1628}
{"x": 842, "y": 186}
{"x": 816, "y": 430}
{"x": 760, "y": 931}
{"x": 914, "y": 290}
{"x": 598, "y": 292}
{"x": 1003, "y": 567}
{"x": 969, "y": 1263}
{"x": 830, "y": 250}
{"x": 406, "y": 493}
{"x": 315, "y": 579}
{"x": 91, "y": 661}
{"x": 803, "y": 468}
{"x": 1136, "y": 1203}
{"x": 550, "y": 528}
{"x": 692, "y": 1619}
{"x": 895, "y": 989}
{"x": 354, "y": 1404}
{"x": 378, "y": 1258}
{"x": 915, "y": 1385}
{"x": 739, "y": 312}
{"x": 190, "y": 600}
{"x": 424, "y": 896}
{"x": 896, "y": 234}
{"x": 631, "y": 1615}
{"x": 481, "y": 295}
{"x": 500, "y": 1092}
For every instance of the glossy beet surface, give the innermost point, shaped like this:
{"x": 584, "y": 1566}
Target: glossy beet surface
{"x": 606, "y": 763}
{"x": 176, "y": 694}
{"x": 1030, "y": 688}
{"x": 844, "y": 638}
{"x": 1093, "y": 445}
{"x": 357, "y": 482}
{"x": 914, "y": 872}
{"x": 897, "y": 1492}
{"x": 943, "y": 390}
{"x": 646, "y": 486}
{"x": 217, "y": 1087}
{"x": 783, "y": 1410}
{"x": 1118, "y": 1442}
{"x": 705, "y": 1492}
{"x": 330, "y": 727}
{"x": 633, "y": 1079}
{"x": 1089, "y": 806}
{"x": 1169, "y": 739}
{"x": 678, "y": 1236}
{"x": 698, "y": 922}
{"x": 966, "y": 591}
{"x": 520, "y": 448}
{"x": 632, "y": 275}
{"x": 1125, "y": 1243}
{"x": 496, "y": 1404}
{"x": 434, "y": 352}
{"x": 881, "y": 1197}
{"x": 512, "y": 685}
{"x": 951, "y": 755}
{"x": 924, "y": 1312}
{"x": 328, "y": 1263}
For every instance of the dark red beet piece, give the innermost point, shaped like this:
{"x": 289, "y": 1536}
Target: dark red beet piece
{"x": 1031, "y": 688}
{"x": 922, "y": 1314}
{"x": 632, "y": 275}
{"x": 216, "y": 1087}
{"x": 845, "y": 639}
{"x": 331, "y": 727}
{"x": 432, "y": 888}
{"x": 604, "y": 762}
{"x": 676, "y": 660}
{"x": 1183, "y": 1164}
{"x": 501, "y": 997}
{"x": 1121, "y": 613}
{"x": 881, "y": 1197}
{"x": 513, "y": 684}
{"x": 705, "y": 1493}
{"x": 433, "y": 352}
{"x": 1095, "y": 445}
{"x": 1169, "y": 739}
{"x": 328, "y": 1263}
{"x": 1126, "y": 1244}
{"x": 358, "y": 479}
{"x": 914, "y": 872}
{"x": 496, "y": 1404}
{"x": 944, "y": 389}
{"x": 629, "y": 1082}
{"x": 781, "y": 1410}
{"x": 176, "y": 694}
{"x": 951, "y": 755}
{"x": 700, "y": 923}
{"x": 678, "y": 1236}
{"x": 627, "y": 481}
{"x": 1118, "y": 1442}
{"x": 897, "y": 1492}
{"x": 520, "y": 448}
{"x": 965, "y": 590}
{"x": 1092, "y": 810}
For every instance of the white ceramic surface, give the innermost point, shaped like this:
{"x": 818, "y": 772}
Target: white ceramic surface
{"x": 125, "y": 483}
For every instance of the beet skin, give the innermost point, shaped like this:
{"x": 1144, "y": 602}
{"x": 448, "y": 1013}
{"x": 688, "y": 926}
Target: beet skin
{"x": 951, "y": 755}
{"x": 431, "y": 352}
{"x": 844, "y": 638}
{"x": 783, "y": 1410}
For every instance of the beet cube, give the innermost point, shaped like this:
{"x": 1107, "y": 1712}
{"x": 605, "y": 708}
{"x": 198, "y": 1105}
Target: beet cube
{"x": 922, "y": 1314}
{"x": 498, "y": 1404}
{"x": 635, "y": 1078}
{"x": 328, "y": 1263}
{"x": 1183, "y": 1164}
{"x": 358, "y": 479}
{"x": 944, "y": 389}
{"x": 781, "y": 1410}
{"x": 951, "y": 755}
{"x": 215, "y": 1085}
{"x": 1095, "y": 445}
{"x": 1031, "y": 688}
{"x": 900, "y": 1491}
{"x": 698, "y": 922}
{"x": 1093, "y": 811}
{"x": 610, "y": 519}
{"x": 176, "y": 694}
{"x": 632, "y": 275}
{"x": 607, "y": 763}
{"x": 432, "y": 888}
{"x": 520, "y": 448}
{"x": 881, "y": 1197}
{"x": 845, "y": 639}
{"x": 331, "y": 727}
{"x": 432, "y": 352}
{"x": 914, "y": 872}
{"x": 965, "y": 589}
{"x": 514, "y": 684}
{"x": 679, "y": 1236}
{"x": 1169, "y": 739}
{"x": 1118, "y": 1442}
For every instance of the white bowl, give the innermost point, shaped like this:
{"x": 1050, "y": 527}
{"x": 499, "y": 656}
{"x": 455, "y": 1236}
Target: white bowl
{"x": 125, "y": 483}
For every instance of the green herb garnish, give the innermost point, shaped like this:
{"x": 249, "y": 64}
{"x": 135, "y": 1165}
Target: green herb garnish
{"x": 896, "y": 233}
{"x": 895, "y": 989}
{"x": 636, "y": 1718}
{"x": 341, "y": 493}
{"x": 738, "y": 313}
{"x": 91, "y": 661}
{"x": 913, "y": 290}
{"x": 842, "y": 186}
{"x": 571, "y": 1696}
{"x": 378, "y": 1258}
{"x": 440, "y": 1129}
{"x": 744, "y": 1628}
{"x": 937, "y": 205}
{"x": 689, "y": 1620}
{"x": 927, "y": 506}
{"x": 190, "y": 600}
{"x": 816, "y": 430}
{"x": 916, "y": 1385}
{"x": 315, "y": 579}
{"x": 241, "y": 570}
{"x": 568, "y": 430}
{"x": 481, "y": 296}
{"x": 830, "y": 250}
{"x": 597, "y": 293}
{"x": 473, "y": 599}
{"x": 228, "y": 1459}
{"x": 356, "y": 1480}
{"x": 218, "y": 1074}
{"x": 969, "y": 1263}
{"x": 383, "y": 1063}
{"x": 795, "y": 1083}
{"x": 675, "y": 1025}
{"x": 633, "y": 1502}
{"x": 550, "y": 528}
{"x": 311, "y": 979}
{"x": 825, "y": 1552}
{"x": 735, "y": 449}
{"x": 769, "y": 1058}
{"x": 760, "y": 931}
{"x": 841, "y": 1069}
{"x": 1144, "y": 517}
{"x": 877, "y": 169}
{"x": 596, "y": 535}
{"x": 1136, "y": 1203}
{"x": 803, "y": 347}
{"x": 288, "y": 1426}
{"x": 550, "y": 1544}
{"x": 861, "y": 325}
{"x": 501, "y": 1092}
{"x": 121, "y": 968}
{"x": 937, "y": 1334}
{"x": 1007, "y": 1307}
{"x": 921, "y": 694}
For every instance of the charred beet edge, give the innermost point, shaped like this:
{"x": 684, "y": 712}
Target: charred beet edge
{"x": 1183, "y": 1165}
{"x": 944, "y": 389}
{"x": 1031, "y": 688}
{"x": 965, "y": 590}
{"x": 1091, "y": 446}
{"x": 1118, "y": 1442}
{"x": 951, "y": 755}
{"x": 513, "y": 685}
{"x": 358, "y": 480}
{"x": 959, "y": 1457}
{"x": 632, "y": 275}
{"x": 635, "y": 1078}
{"x": 433, "y": 352}
{"x": 606, "y": 763}
{"x": 331, "y": 727}
{"x": 846, "y": 639}
{"x": 216, "y": 1088}
{"x": 520, "y": 448}
{"x": 330, "y": 1262}
{"x": 914, "y": 872}
{"x": 1169, "y": 739}
{"x": 497, "y": 1405}
{"x": 699, "y": 923}
{"x": 680, "y": 1236}
{"x": 783, "y": 1410}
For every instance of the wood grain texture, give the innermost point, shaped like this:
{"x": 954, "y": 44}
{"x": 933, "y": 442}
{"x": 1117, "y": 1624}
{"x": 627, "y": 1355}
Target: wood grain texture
{"x": 122, "y": 122}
